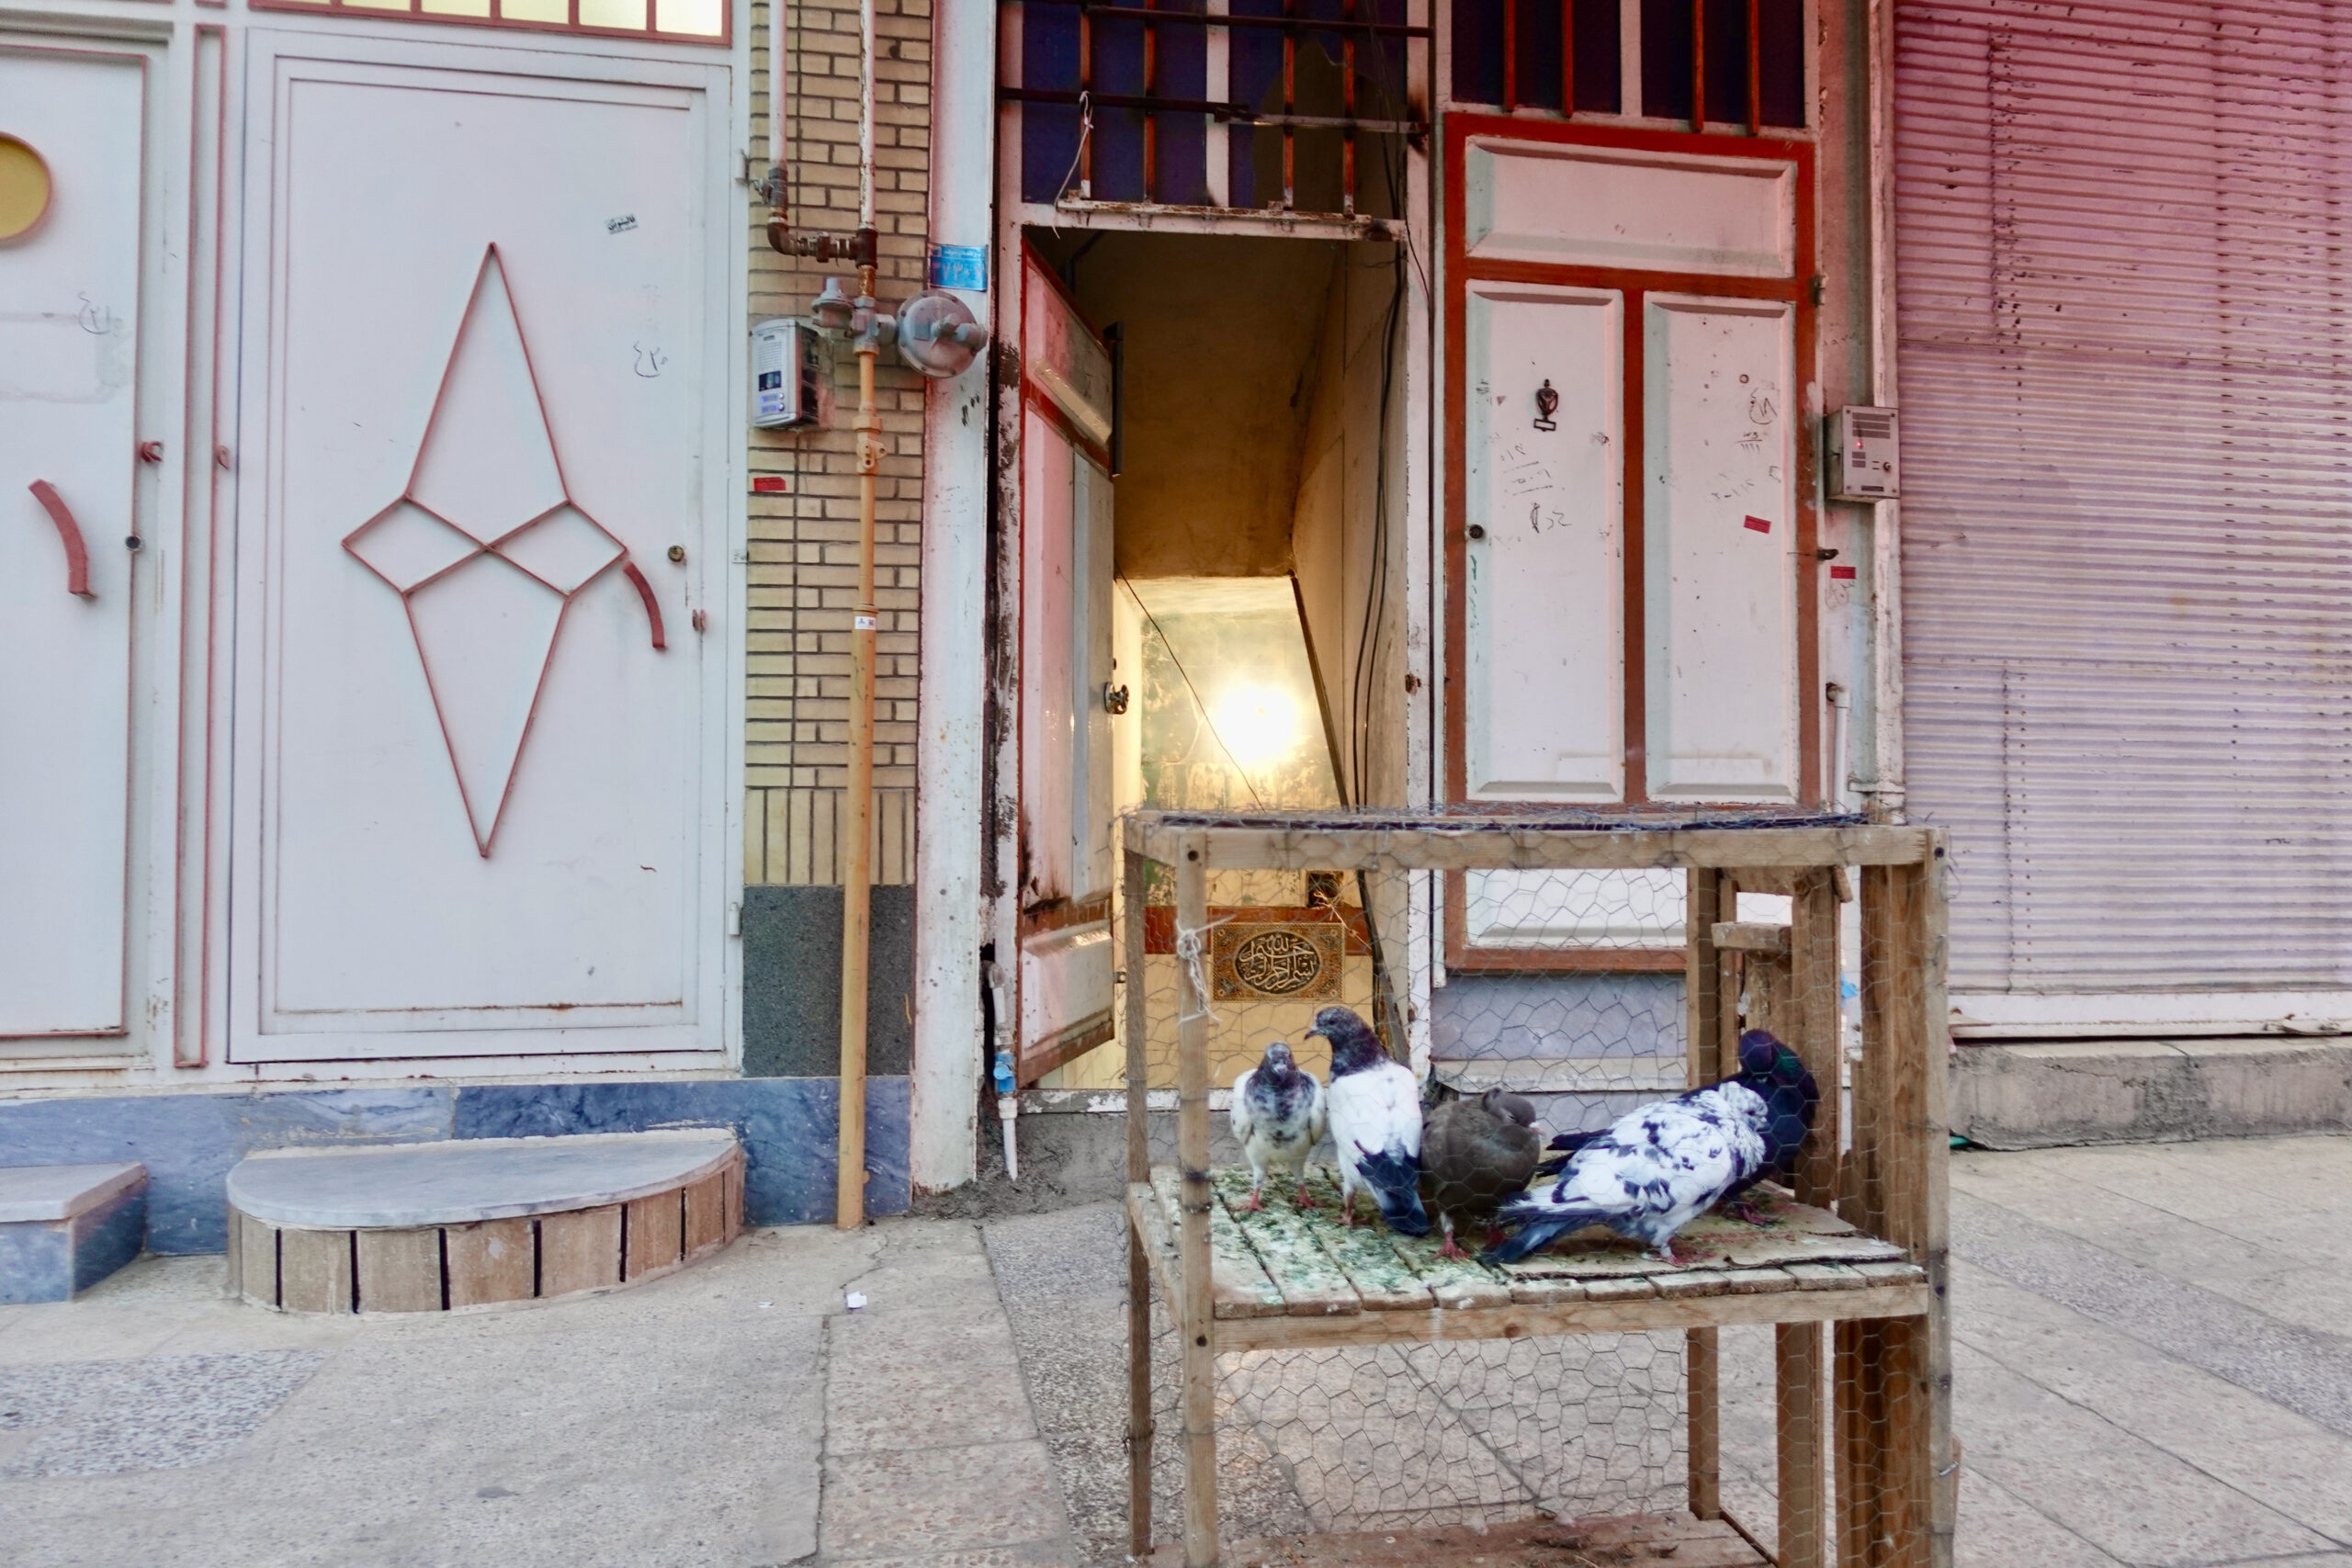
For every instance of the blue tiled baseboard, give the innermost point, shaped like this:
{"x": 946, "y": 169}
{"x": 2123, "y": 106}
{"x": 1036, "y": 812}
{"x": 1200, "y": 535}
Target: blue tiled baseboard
{"x": 188, "y": 1142}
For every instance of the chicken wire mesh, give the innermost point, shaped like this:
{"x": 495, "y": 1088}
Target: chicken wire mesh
{"x": 1535, "y": 1035}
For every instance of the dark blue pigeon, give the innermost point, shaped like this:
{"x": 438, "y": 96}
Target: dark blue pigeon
{"x": 1655, "y": 1169}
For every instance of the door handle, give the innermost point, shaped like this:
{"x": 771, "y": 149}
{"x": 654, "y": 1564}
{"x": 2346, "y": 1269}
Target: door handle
{"x": 77, "y": 555}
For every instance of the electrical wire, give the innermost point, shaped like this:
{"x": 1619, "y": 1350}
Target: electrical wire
{"x": 1255, "y": 798}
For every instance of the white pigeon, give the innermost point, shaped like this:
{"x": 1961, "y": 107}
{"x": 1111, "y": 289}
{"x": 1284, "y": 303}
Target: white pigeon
{"x": 1278, "y": 1116}
{"x": 1658, "y": 1167}
{"x": 1375, "y": 1111}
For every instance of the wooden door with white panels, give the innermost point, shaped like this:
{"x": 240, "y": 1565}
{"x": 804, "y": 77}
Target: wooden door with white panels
{"x": 1631, "y": 534}
{"x": 71, "y": 605}
{"x": 481, "y": 799}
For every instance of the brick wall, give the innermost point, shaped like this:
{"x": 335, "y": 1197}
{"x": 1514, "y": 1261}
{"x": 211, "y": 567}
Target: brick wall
{"x": 804, "y": 542}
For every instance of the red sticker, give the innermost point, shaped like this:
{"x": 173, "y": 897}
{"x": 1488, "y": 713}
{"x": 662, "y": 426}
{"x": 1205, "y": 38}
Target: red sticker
{"x": 771, "y": 484}
{"x": 1759, "y": 525}
{"x": 1842, "y": 573}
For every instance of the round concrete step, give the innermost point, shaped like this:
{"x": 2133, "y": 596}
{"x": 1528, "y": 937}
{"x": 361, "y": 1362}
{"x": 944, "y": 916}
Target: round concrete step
{"x": 430, "y": 1227}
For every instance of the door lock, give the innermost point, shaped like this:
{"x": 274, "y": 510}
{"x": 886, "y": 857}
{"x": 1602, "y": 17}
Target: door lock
{"x": 1114, "y": 698}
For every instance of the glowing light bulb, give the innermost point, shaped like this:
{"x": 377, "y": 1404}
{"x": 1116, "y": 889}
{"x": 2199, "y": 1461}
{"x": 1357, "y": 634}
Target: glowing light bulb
{"x": 1258, "y": 725}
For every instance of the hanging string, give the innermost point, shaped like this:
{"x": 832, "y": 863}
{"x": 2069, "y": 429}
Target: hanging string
{"x": 1191, "y": 951}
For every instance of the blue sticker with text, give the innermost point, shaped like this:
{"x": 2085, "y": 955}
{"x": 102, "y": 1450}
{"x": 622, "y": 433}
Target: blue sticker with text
{"x": 960, "y": 266}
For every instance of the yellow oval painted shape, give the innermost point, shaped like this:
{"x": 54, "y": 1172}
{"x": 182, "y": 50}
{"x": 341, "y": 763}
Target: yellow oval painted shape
{"x": 24, "y": 188}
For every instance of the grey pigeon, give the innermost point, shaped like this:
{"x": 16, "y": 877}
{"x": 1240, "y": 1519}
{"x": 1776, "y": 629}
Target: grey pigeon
{"x": 1278, "y": 1116}
{"x": 1375, "y": 1108}
{"x": 1658, "y": 1169}
{"x": 1475, "y": 1153}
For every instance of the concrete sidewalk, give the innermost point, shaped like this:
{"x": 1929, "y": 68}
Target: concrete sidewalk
{"x": 2154, "y": 1350}
{"x": 733, "y": 1414}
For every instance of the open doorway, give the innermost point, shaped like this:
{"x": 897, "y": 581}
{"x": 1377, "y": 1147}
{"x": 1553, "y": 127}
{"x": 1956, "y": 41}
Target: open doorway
{"x": 1252, "y": 600}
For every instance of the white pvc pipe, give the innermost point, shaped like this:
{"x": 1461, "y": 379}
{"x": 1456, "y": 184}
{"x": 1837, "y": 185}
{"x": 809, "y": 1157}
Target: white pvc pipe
{"x": 865, "y": 56}
{"x": 779, "y": 96}
{"x": 1841, "y": 703}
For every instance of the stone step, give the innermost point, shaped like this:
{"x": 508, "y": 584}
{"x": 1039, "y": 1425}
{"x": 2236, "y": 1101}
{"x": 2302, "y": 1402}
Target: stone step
{"x": 430, "y": 1227}
{"x": 65, "y": 1227}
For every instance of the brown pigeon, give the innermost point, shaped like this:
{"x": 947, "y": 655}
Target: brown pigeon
{"x": 1475, "y": 1153}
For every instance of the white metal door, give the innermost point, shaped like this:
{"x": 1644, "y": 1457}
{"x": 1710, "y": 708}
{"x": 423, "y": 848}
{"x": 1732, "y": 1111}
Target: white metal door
{"x": 1068, "y": 767}
{"x": 478, "y": 806}
{"x": 69, "y": 312}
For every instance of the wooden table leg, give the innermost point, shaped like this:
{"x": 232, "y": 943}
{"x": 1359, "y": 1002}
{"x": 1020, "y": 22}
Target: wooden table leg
{"x": 1805, "y": 1540}
{"x": 1861, "y": 1444}
{"x": 1139, "y": 1422}
{"x": 1701, "y": 1360}
{"x": 1133, "y": 889}
{"x": 1193, "y": 1244}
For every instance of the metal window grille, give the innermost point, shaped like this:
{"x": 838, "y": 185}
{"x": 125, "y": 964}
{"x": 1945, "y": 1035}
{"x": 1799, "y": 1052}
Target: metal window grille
{"x": 1297, "y": 106}
{"x": 1737, "y": 64}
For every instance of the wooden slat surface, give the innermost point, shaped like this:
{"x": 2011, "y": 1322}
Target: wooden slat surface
{"x": 1311, "y": 1284}
{"x": 1468, "y": 843}
{"x": 1452, "y": 1283}
{"x": 1239, "y": 1282}
{"x": 1519, "y": 1320}
{"x": 1286, "y": 1262}
{"x": 1382, "y": 1280}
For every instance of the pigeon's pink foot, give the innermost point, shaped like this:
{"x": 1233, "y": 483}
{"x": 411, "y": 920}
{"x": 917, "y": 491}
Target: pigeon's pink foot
{"x": 1304, "y": 1201}
{"x": 1450, "y": 1251}
{"x": 1255, "y": 1201}
{"x": 1347, "y": 1213}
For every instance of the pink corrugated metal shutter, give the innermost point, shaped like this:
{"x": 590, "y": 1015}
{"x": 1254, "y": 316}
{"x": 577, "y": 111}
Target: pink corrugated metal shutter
{"x": 2124, "y": 251}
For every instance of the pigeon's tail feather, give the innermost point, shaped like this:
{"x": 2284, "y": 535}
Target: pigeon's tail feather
{"x": 1569, "y": 1145}
{"x": 1540, "y": 1224}
{"x": 1395, "y": 1179}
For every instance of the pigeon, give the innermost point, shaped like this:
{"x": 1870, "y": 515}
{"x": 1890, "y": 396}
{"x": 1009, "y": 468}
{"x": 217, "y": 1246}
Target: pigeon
{"x": 1567, "y": 1144}
{"x": 1794, "y": 1100}
{"x": 1375, "y": 1111}
{"x": 1278, "y": 1116}
{"x": 1658, "y": 1169}
{"x": 1475, "y": 1153}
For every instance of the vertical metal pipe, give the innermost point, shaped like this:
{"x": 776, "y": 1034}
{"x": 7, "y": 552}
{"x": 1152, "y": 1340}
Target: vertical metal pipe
{"x": 1151, "y": 118}
{"x": 1290, "y": 108}
{"x": 1348, "y": 97}
{"x": 1217, "y": 147}
{"x": 779, "y": 111}
{"x": 1568, "y": 58}
{"x": 1754, "y": 73}
{"x": 1085, "y": 103}
{"x": 1698, "y": 64}
{"x": 1510, "y": 55}
{"x": 849, "y": 1174}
